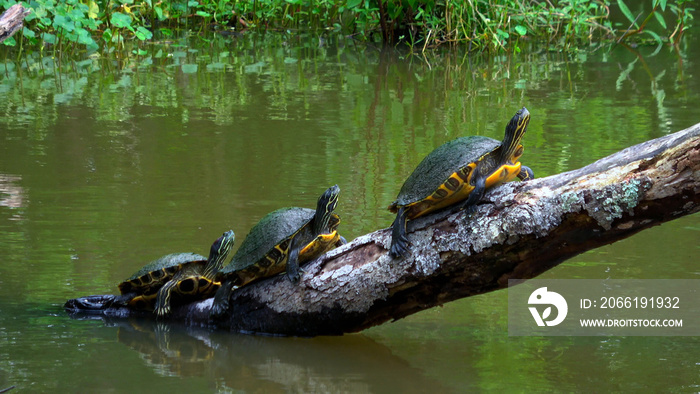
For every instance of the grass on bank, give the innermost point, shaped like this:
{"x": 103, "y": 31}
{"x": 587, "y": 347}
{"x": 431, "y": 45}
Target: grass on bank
{"x": 483, "y": 25}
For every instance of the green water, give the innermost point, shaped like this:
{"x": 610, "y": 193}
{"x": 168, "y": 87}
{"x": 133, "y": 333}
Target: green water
{"x": 105, "y": 166}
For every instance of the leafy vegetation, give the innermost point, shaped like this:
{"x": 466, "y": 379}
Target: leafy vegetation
{"x": 488, "y": 25}
{"x": 679, "y": 8}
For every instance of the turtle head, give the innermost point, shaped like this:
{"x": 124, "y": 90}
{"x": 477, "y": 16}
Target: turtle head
{"x": 325, "y": 207}
{"x": 218, "y": 252}
{"x": 511, "y": 149}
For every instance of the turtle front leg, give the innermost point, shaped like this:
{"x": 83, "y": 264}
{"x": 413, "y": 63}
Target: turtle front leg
{"x": 221, "y": 300}
{"x": 526, "y": 173}
{"x": 479, "y": 189}
{"x": 293, "y": 270}
{"x": 399, "y": 240}
{"x": 162, "y": 308}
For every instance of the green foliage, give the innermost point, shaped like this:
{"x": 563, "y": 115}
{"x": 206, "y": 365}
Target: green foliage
{"x": 487, "y": 25}
{"x": 68, "y": 21}
{"x": 679, "y": 8}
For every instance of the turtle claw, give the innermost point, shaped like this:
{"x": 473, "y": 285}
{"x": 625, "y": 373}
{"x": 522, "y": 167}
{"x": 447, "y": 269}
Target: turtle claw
{"x": 293, "y": 273}
{"x": 470, "y": 209}
{"x": 217, "y": 311}
{"x": 294, "y": 277}
{"x": 399, "y": 239}
{"x": 399, "y": 247}
{"x": 163, "y": 312}
{"x": 396, "y": 252}
{"x": 221, "y": 301}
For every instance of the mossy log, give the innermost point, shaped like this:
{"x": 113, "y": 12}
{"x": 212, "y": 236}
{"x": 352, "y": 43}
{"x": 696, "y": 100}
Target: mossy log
{"x": 518, "y": 231}
{"x": 11, "y": 21}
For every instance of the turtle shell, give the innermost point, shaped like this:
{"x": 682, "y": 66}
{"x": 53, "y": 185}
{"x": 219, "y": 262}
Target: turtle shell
{"x": 156, "y": 273}
{"x": 273, "y": 229}
{"x": 445, "y": 160}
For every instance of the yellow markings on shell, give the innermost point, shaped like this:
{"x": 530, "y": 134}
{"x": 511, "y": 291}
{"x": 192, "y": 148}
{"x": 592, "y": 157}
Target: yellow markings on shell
{"x": 144, "y": 302}
{"x": 188, "y": 285}
{"x": 148, "y": 279}
{"x": 458, "y": 187}
{"x": 191, "y": 286}
{"x": 197, "y": 285}
{"x": 274, "y": 262}
{"x": 455, "y": 189}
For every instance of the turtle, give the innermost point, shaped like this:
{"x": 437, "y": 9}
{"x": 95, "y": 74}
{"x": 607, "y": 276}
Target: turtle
{"x": 459, "y": 172}
{"x": 190, "y": 276}
{"x": 280, "y": 242}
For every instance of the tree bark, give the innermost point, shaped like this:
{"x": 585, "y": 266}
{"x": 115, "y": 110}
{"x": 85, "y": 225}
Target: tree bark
{"x": 518, "y": 231}
{"x": 11, "y": 21}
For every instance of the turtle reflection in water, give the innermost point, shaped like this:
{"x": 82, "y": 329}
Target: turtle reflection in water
{"x": 459, "y": 171}
{"x": 281, "y": 241}
{"x": 169, "y": 350}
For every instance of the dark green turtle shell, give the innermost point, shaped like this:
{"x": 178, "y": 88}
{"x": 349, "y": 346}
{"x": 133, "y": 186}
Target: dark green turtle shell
{"x": 273, "y": 229}
{"x": 446, "y": 159}
{"x": 159, "y": 271}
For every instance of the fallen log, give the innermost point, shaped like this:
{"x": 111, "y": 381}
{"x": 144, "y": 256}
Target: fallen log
{"x": 518, "y": 231}
{"x": 12, "y": 20}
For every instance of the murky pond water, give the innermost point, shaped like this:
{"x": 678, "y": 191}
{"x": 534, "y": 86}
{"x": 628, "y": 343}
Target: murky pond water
{"x": 104, "y": 167}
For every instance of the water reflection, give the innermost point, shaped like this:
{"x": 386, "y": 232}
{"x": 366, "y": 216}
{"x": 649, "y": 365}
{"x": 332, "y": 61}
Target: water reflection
{"x": 352, "y": 363}
{"x": 11, "y": 194}
{"x": 4, "y": 381}
{"x": 169, "y": 351}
